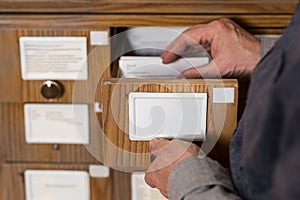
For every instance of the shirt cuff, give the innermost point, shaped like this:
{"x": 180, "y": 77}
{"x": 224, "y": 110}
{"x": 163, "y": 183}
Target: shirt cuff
{"x": 196, "y": 173}
{"x": 267, "y": 42}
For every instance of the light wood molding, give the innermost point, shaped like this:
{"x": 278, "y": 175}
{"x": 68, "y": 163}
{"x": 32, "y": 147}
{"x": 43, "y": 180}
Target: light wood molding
{"x": 148, "y": 6}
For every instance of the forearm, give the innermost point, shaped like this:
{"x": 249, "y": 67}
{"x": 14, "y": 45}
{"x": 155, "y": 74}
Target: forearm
{"x": 200, "y": 178}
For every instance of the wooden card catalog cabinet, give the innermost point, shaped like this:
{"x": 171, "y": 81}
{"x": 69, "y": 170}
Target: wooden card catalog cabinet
{"x": 122, "y": 151}
{"x": 31, "y": 30}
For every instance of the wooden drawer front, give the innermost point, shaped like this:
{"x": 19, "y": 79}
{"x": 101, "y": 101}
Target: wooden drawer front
{"x": 14, "y": 89}
{"x": 123, "y": 153}
{"x": 15, "y": 148}
{"x": 14, "y": 180}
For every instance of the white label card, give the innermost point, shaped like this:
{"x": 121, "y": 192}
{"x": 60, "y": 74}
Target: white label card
{"x": 167, "y": 115}
{"x": 59, "y": 58}
{"x": 57, "y": 184}
{"x": 223, "y": 95}
{"x": 57, "y": 123}
{"x": 99, "y": 38}
{"x": 99, "y": 171}
{"x": 141, "y": 191}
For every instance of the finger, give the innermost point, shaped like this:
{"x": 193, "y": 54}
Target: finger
{"x": 174, "y": 50}
{"x": 149, "y": 179}
{"x": 191, "y": 37}
{"x": 156, "y": 144}
{"x": 207, "y": 71}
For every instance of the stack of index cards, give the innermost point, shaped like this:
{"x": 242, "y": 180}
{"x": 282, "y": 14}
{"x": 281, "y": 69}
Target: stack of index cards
{"x": 152, "y": 67}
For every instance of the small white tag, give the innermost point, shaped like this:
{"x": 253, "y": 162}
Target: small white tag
{"x": 99, "y": 171}
{"x": 99, "y": 37}
{"x": 223, "y": 95}
{"x": 98, "y": 107}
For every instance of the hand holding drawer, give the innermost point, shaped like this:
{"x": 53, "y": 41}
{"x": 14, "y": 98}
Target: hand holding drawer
{"x": 235, "y": 52}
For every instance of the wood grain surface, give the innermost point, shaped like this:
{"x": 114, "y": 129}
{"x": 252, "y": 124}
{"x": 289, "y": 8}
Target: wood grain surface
{"x": 148, "y": 6}
{"x": 264, "y": 23}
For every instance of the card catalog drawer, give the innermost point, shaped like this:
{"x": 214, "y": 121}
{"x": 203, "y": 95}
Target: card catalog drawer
{"x": 39, "y": 181}
{"x": 49, "y": 134}
{"x": 127, "y": 153}
{"x": 53, "y": 65}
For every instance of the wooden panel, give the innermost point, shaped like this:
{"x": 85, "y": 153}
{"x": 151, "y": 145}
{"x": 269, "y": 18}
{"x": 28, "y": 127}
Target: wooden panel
{"x": 262, "y": 22}
{"x": 122, "y": 153}
{"x": 14, "y": 188}
{"x": 29, "y": 91}
{"x": 10, "y": 73}
{"x": 121, "y": 182}
{"x": 148, "y": 6}
{"x": 15, "y": 148}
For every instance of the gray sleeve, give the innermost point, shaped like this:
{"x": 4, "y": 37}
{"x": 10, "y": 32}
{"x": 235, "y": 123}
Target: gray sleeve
{"x": 267, "y": 42}
{"x": 200, "y": 178}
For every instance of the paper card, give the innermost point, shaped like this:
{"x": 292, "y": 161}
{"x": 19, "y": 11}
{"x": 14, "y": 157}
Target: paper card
{"x": 59, "y": 58}
{"x": 152, "y": 67}
{"x": 223, "y": 95}
{"x": 141, "y": 191}
{"x": 57, "y": 123}
{"x": 57, "y": 184}
{"x": 99, "y": 171}
{"x": 167, "y": 115}
{"x": 99, "y": 38}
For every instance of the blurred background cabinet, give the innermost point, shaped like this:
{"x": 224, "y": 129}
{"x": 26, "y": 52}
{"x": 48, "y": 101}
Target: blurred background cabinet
{"x": 78, "y": 19}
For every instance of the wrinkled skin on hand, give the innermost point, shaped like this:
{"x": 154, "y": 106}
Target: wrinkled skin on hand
{"x": 234, "y": 51}
{"x": 168, "y": 154}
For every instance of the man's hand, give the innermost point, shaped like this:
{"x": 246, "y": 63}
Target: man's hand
{"x": 168, "y": 155}
{"x": 235, "y": 52}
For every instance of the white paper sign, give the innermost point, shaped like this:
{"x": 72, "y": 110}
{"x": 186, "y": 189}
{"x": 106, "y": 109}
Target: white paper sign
{"x": 141, "y": 191}
{"x": 57, "y": 123}
{"x": 56, "y": 184}
{"x": 59, "y": 58}
{"x": 167, "y": 115}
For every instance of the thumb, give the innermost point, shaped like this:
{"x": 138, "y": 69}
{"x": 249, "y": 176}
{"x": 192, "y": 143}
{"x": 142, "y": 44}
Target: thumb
{"x": 207, "y": 71}
{"x": 157, "y": 144}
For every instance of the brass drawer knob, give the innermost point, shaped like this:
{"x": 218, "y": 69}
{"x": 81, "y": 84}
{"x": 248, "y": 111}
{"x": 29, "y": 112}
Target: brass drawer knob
{"x": 52, "y": 89}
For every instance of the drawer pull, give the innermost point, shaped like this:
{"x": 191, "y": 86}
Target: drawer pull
{"x": 52, "y": 89}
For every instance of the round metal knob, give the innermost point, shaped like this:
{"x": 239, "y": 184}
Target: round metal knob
{"x": 51, "y": 89}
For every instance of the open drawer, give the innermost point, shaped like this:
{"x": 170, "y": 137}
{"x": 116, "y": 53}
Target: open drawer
{"x": 121, "y": 152}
